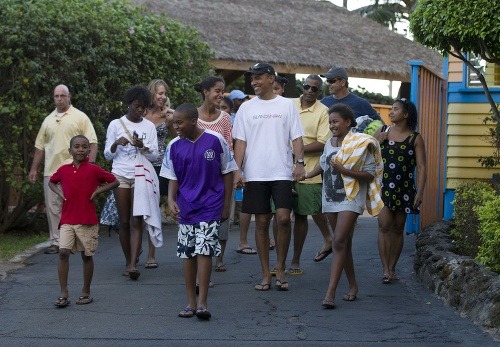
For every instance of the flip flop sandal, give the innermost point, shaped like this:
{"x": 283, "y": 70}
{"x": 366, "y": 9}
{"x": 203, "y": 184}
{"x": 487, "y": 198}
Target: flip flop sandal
{"x": 202, "y": 313}
{"x": 349, "y": 297}
{"x": 84, "y": 300}
{"x": 295, "y": 271}
{"x": 282, "y": 285}
{"x": 263, "y": 287}
{"x": 329, "y": 304}
{"x": 62, "y": 302}
{"x": 188, "y": 312}
{"x": 322, "y": 255}
{"x": 246, "y": 250}
{"x": 220, "y": 268}
{"x": 134, "y": 274}
{"x": 152, "y": 265}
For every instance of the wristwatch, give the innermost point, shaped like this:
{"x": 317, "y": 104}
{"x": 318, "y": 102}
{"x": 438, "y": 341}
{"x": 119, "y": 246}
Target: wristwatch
{"x": 301, "y": 161}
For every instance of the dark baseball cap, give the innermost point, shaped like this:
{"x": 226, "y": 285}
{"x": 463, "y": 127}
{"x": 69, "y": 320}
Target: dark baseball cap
{"x": 261, "y": 68}
{"x": 336, "y": 72}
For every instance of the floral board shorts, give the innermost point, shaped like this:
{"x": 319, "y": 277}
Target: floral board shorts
{"x": 199, "y": 238}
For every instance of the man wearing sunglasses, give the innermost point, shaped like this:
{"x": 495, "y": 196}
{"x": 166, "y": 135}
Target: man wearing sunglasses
{"x": 336, "y": 79}
{"x": 314, "y": 119}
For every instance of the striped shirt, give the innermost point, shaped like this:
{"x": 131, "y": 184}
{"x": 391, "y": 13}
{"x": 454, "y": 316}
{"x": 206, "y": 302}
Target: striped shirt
{"x": 222, "y": 125}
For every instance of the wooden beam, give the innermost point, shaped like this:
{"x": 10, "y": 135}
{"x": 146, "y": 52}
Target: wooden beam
{"x": 244, "y": 65}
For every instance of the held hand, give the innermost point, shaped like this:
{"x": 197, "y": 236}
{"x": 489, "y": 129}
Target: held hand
{"x": 166, "y": 112}
{"x": 382, "y": 137}
{"x": 122, "y": 141}
{"x": 238, "y": 179}
{"x": 299, "y": 173}
{"x": 137, "y": 142}
{"x": 174, "y": 209}
{"x": 337, "y": 166}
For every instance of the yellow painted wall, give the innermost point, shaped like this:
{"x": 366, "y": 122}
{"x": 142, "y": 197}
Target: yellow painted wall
{"x": 383, "y": 111}
{"x": 466, "y": 136}
{"x": 455, "y": 69}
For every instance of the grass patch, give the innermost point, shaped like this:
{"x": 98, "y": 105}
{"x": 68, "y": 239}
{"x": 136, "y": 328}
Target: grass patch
{"x": 13, "y": 243}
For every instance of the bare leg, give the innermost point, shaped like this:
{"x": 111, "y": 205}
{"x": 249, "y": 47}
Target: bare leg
{"x": 349, "y": 267}
{"x": 136, "y": 229}
{"x": 262, "y": 241}
{"x": 384, "y": 239}
{"x": 190, "y": 268}
{"x": 322, "y": 223}
{"x": 344, "y": 224}
{"x": 282, "y": 241}
{"x": 244, "y": 226}
{"x": 123, "y": 203}
{"x": 220, "y": 259}
{"x": 151, "y": 252}
{"x": 275, "y": 230}
{"x": 62, "y": 271}
{"x": 204, "y": 272}
{"x": 88, "y": 273}
{"x": 300, "y": 229}
{"x": 397, "y": 240}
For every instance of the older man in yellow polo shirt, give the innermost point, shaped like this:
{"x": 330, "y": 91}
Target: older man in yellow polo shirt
{"x": 51, "y": 145}
{"x": 314, "y": 119}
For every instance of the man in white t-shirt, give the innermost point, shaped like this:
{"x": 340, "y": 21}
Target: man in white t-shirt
{"x": 263, "y": 130}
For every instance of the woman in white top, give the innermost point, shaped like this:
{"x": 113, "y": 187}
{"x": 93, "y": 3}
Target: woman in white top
{"x": 126, "y": 138}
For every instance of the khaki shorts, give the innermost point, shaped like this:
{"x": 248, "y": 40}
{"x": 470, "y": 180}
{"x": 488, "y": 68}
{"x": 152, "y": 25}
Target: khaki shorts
{"x": 308, "y": 202}
{"x": 127, "y": 183}
{"x": 79, "y": 238}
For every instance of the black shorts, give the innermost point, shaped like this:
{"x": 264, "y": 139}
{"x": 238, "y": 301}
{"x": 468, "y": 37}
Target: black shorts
{"x": 163, "y": 182}
{"x": 257, "y": 196}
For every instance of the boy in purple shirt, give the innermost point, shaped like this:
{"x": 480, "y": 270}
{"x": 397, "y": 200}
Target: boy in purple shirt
{"x": 199, "y": 165}
{"x": 80, "y": 182}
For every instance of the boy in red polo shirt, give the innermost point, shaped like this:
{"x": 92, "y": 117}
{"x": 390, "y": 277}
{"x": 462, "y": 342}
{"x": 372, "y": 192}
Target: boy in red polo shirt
{"x": 80, "y": 182}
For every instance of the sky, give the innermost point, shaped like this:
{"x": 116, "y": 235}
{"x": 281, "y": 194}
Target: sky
{"x": 375, "y": 86}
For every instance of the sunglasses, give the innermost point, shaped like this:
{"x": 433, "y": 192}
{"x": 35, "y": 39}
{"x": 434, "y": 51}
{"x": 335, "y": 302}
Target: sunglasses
{"x": 314, "y": 89}
{"x": 332, "y": 81}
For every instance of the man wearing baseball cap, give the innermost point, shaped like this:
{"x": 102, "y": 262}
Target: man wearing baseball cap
{"x": 238, "y": 97}
{"x": 263, "y": 129}
{"x": 336, "y": 79}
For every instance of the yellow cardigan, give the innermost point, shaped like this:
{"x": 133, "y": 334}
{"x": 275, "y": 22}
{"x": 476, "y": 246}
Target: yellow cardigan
{"x": 352, "y": 156}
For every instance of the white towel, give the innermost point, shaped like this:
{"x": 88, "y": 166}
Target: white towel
{"x": 147, "y": 198}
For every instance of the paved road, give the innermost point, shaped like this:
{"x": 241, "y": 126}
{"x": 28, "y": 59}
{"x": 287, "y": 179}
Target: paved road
{"x": 144, "y": 313}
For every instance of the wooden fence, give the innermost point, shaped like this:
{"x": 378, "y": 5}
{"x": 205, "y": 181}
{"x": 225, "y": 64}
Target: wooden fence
{"x": 428, "y": 92}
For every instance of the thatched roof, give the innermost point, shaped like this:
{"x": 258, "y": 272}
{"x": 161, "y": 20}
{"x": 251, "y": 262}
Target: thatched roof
{"x": 297, "y": 36}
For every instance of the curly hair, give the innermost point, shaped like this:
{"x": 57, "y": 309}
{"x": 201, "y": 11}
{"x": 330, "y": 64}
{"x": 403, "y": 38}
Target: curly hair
{"x": 345, "y": 112}
{"x": 139, "y": 93}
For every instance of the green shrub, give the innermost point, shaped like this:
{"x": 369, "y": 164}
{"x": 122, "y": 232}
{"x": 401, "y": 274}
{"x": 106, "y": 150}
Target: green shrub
{"x": 467, "y": 196}
{"x": 98, "y": 49}
{"x": 489, "y": 233}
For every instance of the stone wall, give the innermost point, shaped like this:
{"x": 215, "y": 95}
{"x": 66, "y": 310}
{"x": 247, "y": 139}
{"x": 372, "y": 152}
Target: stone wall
{"x": 459, "y": 281}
